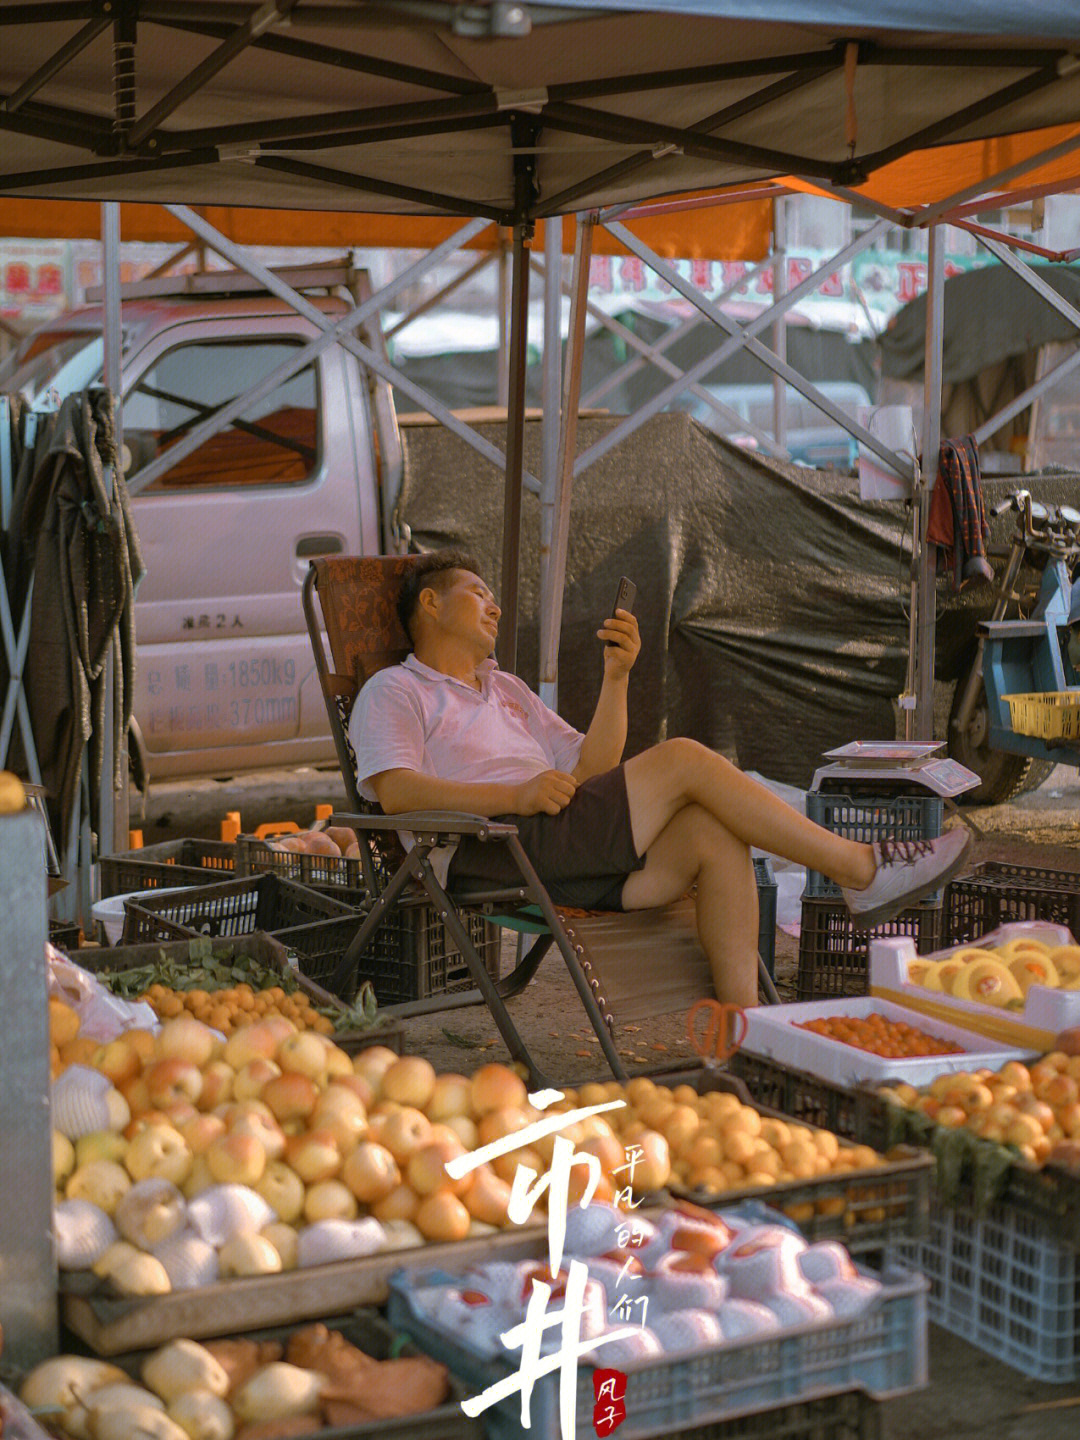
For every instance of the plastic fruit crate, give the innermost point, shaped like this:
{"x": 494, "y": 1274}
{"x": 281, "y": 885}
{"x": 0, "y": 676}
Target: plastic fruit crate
{"x": 173, "y": 862}
{"x": 810, "y": 1099}
{"x": 256, "y": 857}
{"x": 766, "y": 894}
{"x": 365, "y": 1329}
{"x": 994, "y": 893}
{"x": 264, "y": 951}
{"x": 65, "y": 934}
{"x": 1051, "y": 716}
{"x": 851, "y": 1416}
{"x": 234, "y": 907}
{"x": 867, "y": 817}
{"x": 882, "y": 1352}
{"x": 411, "y": 956}
{"x": 1004, "y": 1282}
{"x": 864, "y": 1208}
{"x": 833, "y": 954}
{"x": 981, "y": 1173}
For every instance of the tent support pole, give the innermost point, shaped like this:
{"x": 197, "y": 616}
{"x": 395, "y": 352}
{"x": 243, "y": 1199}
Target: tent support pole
{"x": 779, "y": 276}
{"x": 515, "y": 450}
{"x": 113, "y": 800}
{"x": 549, "y": 430}
{"x": 502, "y": 359}
{"x": 931, "y": 440}
{"x": 552, "y": 595}
{"x": 524, "y": 133}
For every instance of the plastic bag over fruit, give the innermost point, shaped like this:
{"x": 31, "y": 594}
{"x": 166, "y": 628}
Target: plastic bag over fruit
{"x": 102, "y": 1016}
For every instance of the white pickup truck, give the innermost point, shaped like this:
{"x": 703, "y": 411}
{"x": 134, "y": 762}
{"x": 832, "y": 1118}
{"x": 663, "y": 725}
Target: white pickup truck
{"x": 225, "y": 679}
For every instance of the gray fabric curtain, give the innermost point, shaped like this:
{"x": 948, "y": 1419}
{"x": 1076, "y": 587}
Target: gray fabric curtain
{"x": 73, "y": 539}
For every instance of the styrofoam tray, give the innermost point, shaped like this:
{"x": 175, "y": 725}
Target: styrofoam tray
{"x": 1045, "y": 1014}
{"x": 773, "y": 1032}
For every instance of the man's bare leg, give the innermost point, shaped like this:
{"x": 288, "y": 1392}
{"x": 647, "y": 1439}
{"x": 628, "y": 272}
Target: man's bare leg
{"x": 662, "y": 781}
{"x": 694, "y": 847}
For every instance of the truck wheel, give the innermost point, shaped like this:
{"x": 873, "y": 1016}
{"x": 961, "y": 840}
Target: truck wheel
{"x": 1003, "y": 774}
{"x": 1038, "y": 773}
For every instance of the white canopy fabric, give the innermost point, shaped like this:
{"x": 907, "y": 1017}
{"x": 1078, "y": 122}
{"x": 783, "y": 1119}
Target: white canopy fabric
{"x": 506, "y": 109}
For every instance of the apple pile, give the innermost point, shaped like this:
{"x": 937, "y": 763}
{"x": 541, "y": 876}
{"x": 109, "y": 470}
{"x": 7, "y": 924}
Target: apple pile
{"x": 347, "y": 1155}
{"x": 1035, "y": 1109}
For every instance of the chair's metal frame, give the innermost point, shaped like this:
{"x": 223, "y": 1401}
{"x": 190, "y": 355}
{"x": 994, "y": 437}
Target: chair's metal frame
{"x": 517, "y": 904}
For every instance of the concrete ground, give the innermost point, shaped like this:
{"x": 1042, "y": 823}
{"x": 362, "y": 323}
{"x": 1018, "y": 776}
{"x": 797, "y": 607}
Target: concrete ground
{"x": 972, "y": 1395}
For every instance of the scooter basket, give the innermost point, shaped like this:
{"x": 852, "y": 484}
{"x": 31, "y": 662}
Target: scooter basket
{"x": 1055, "y": 716}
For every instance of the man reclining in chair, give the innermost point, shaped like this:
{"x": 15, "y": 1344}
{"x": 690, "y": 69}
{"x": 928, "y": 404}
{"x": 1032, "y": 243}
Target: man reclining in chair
{"x": 448, "y": 730}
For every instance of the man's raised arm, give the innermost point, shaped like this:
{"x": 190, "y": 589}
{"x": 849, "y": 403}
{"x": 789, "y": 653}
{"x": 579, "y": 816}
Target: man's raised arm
{"x": 605, "y": 738}
{"x": 399, "y": 791}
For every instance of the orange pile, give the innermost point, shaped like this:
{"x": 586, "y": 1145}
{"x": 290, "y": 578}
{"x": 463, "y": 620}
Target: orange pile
{"x": 893, "y": 1039}
{"x": 239, "y": 1005}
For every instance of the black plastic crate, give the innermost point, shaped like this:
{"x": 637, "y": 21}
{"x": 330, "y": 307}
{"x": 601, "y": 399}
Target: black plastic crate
{"x": 173, "y": 862}
{"x": 995, "y": 892}
{"x": 801, "y": 1096}
{"x": 833, "y": 953}
{"x": 255, "y": 857}
{"x": 234, "y": 907}
{"x": 411, "y": 956}
{"x": 65, "y": 934}
{"x": 848, "y": 1416}
{"x": 867, "y": 1209}
{"x": 860, "y": 815}
{"x": 766, "y": 894}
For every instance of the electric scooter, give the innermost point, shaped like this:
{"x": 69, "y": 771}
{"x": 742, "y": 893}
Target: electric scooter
{"x": 1026, "y": 655}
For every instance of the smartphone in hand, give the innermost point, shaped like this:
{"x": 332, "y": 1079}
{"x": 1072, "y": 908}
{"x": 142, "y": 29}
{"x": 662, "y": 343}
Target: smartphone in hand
{"x": 624, "y": 599}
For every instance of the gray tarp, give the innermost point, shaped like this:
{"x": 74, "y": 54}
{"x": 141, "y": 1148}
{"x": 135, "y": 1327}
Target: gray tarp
{"x": 990, "y": 315}
{"x": 772, "y": 600}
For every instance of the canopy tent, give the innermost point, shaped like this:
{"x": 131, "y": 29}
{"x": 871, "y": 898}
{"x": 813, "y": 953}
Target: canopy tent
{"x": 512, "y": 112}
{"x": 506, "y": 110}
{"x": 739, "y": 230}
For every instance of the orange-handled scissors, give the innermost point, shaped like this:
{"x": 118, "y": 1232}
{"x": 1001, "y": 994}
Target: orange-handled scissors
{"x": 723, "y": 1032}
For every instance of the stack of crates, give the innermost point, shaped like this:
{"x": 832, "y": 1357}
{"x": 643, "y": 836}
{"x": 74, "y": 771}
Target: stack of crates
{"x": 833, "y": 954}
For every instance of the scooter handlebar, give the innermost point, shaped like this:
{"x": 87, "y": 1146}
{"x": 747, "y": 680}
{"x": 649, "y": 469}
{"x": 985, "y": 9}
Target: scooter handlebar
{"x": 1016, "y": 501}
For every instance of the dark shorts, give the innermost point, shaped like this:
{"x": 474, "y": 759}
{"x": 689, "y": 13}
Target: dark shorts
{"x": 583, "y": 855}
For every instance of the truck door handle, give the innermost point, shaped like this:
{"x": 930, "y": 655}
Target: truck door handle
{"x": 318, "y": 545}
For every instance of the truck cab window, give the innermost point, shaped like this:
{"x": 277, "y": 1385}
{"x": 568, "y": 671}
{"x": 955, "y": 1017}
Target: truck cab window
{"x": 275, "y": 441}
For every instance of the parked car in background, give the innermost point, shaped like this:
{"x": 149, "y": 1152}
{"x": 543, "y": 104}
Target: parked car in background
{"x": 811, "y": 437}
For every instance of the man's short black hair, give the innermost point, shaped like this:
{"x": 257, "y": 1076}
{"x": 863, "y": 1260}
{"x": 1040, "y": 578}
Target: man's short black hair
{"x": 430, "y": 572}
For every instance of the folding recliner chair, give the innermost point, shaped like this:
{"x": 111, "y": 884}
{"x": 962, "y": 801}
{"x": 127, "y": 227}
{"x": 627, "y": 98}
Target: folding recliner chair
{"x": 357, "y": 598}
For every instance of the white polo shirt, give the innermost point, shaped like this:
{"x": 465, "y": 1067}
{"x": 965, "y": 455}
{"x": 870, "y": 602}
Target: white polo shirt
{"x": 411, "y": 717}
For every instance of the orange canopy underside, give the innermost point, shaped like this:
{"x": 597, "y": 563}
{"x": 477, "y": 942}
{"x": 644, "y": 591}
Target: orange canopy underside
{"x": 733, "y": 231}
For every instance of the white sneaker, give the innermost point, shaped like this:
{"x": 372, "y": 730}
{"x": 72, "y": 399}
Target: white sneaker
{"x": 907, "y": 870}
